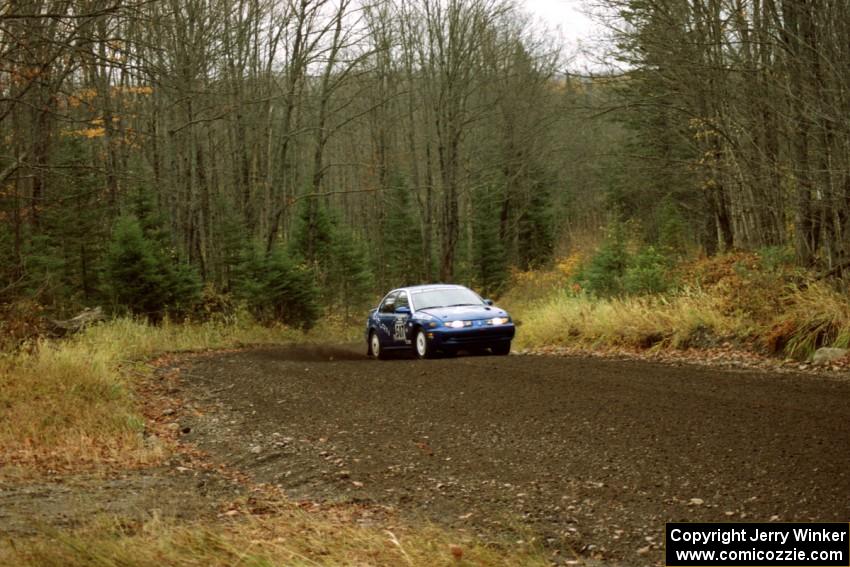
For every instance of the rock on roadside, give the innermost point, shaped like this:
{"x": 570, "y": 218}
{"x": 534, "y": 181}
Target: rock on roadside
{"x": 826, "y": 355}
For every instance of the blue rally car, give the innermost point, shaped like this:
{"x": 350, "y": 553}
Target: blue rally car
{"x": 437, "y": 318}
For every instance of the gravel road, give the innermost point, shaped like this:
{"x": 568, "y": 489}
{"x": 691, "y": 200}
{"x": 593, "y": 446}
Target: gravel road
{"x": 591, "y": 457}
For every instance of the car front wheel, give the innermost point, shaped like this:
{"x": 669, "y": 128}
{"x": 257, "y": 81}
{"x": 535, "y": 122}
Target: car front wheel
{"x": 375, "y": 350}
{"x": 421, "y": 345}
{"x": 501, "y": 349}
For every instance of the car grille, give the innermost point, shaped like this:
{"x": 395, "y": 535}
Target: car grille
{"x": 477, "y": 336}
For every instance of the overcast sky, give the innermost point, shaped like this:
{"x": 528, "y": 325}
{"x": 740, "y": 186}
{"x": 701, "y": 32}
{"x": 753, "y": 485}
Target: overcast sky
{"x": 567, "y": 14}
{"x": 577, "y": 29}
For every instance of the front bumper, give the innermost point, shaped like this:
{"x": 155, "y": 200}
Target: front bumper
{"x": 471, "y": 337}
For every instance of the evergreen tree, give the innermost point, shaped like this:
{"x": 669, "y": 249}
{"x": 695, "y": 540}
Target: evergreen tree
{"x": 604, "y": 273}
{"x": 400, "y": 263}
{"x": 8, "y": 262}
{"x": 489, "y": 258}
{"x": 181, "y": 283}
{"x": 536, "y": 229}
{"x": 150, "y": 219}
{"x": 232, "y": 245}
{"x": 338, "y": 260}
{"x": 276, "y": 288}
{"x": 349, "y": 278}
{"x": 313, "y": 236}
{"x": 81, "y": 239}
{"x": 144, "y": 278}
{"x": 248, "y": 276}
{"x": 45, "y": 269}
{"x": 64, "y": 251}
{"x": 672, "y": 232}
{"x": 290, "y": 291}
{"x": 133, "y": 272}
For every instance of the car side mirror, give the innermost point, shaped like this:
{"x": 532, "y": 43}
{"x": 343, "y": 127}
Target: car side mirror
{"x": 488, "y": 301}
{"x": 403, "y": 310}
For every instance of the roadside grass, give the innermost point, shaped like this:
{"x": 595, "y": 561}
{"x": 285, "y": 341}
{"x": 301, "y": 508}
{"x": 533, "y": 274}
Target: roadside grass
{"x": 288, "y": 536}
{"x": 815, "y": 315}
{"x": 735, "y": 299}
{"x": 71, "y": 403}
{"x": 650, "y": 321}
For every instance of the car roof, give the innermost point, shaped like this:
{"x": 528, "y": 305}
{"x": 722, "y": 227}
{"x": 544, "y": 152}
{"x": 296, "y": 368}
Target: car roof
{"x": 428, "y": 287}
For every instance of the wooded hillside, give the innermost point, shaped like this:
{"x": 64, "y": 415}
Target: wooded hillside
{"x": 268, "y": 147}
{"x": 740, "y": 110}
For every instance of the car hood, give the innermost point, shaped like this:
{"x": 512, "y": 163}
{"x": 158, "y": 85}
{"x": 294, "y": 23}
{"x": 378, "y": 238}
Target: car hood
{"x": 464, "y": 312}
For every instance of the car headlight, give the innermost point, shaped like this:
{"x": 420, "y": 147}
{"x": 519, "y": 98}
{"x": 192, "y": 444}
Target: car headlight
{"x": 458, "y": 324}
{"x": 499, "y": 320}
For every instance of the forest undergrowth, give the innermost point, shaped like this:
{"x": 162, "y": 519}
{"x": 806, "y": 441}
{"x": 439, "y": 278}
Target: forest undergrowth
{"x": 758, "y": 302}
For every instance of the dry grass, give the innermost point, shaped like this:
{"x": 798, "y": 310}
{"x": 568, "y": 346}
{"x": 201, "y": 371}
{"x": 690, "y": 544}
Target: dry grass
{"x": 632, "y": 321}
{"x": 727, "y": 298}
{"x": 287, "y": 536}
{"x": 815, "y": 315}
{"x": 71, "y": 404}
{"x": 66, "y": 404}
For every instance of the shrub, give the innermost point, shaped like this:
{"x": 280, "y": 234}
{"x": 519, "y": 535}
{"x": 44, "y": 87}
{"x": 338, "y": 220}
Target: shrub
{"x": 604, "y": 272}
{"x": 21, "y": 324}
{"x": 775, "y": 258}
{"x": 648, "y": 272}
{"x": 214, "y": 305}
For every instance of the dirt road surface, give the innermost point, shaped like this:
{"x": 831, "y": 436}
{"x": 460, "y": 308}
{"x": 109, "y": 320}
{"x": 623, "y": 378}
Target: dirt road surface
{"x": 591, "y": 457}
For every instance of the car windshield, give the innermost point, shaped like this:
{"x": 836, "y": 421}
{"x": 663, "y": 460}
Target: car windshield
{"x": 445, "y": 297}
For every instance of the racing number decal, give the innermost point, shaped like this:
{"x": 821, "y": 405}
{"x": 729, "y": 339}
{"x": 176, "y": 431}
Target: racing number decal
{"x": 398, "y": 335}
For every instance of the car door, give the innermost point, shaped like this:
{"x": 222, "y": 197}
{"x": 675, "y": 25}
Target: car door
{"x": 386, "y": 319}
{"x": 402, "y": 316}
